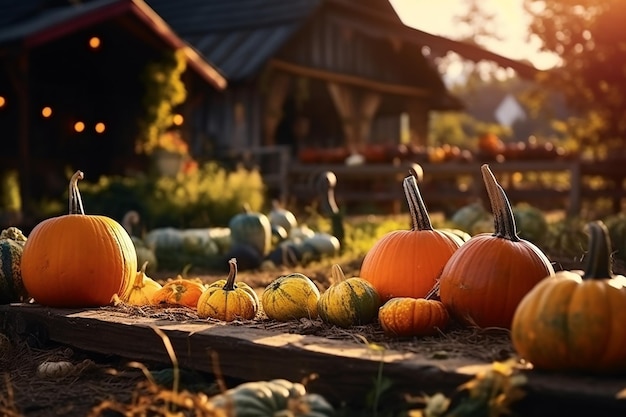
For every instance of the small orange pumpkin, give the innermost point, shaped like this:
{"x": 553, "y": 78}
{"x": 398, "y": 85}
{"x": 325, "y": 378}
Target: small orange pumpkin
{"x": 407, "y": 263}
{"x": 406, "y": 316}
{"x": 78, "y": 260}
{"x": 181, "y": 291}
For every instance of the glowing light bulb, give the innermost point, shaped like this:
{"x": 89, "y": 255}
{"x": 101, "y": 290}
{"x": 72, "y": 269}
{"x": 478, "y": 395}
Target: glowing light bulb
{"x": 100, "y": 127}
{"x": 94, "y": 42}
{"x": 178, "y": 119}
{"x": 79, "y": 126}
{"x": 46, "y": 111}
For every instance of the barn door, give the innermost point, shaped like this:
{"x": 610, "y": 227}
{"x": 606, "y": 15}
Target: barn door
{"x": 274, "y": 100}
{"x": 356, "y": 112}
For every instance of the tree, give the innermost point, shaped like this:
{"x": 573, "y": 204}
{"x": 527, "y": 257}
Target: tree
{"x": 588, "y": 35}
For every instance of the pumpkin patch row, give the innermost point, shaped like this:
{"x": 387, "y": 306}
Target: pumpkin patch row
{"x": 412, "y": 281}
{"x": 564, "y": 321}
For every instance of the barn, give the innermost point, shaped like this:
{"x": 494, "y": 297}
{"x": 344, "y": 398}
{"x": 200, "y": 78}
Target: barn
{"x": 264, "y": 77}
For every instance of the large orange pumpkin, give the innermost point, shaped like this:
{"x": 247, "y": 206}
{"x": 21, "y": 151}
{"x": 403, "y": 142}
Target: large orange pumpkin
{"x": 78, "y": 260}
{"x": 574, "y": 321}
{"x": 484, "y": 281}
{"x": 407, "y": 263}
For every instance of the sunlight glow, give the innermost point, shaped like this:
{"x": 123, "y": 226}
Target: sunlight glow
{"x": 510, "y": 24}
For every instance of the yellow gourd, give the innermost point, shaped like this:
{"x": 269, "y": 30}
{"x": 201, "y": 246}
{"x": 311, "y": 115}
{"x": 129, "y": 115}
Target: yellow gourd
{"x": 225, "y": 300}
{"x": 291, "y": 296}
{"x": 142, "y": 289}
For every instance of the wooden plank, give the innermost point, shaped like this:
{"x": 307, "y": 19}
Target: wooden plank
{"x": 346, "y": 370}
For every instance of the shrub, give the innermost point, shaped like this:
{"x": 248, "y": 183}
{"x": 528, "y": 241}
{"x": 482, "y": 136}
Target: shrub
{"x": 206, "y": 198}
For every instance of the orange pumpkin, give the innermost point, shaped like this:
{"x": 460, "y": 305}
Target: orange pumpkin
{"x": 490, "y": 144}
{"x": 407, "y": 316}
{"x": 484, "y": 281}
{"x": 407, "y": 263}
{"x": 78, "y": 260}
{"x": 574, "y": 321}
{"x": 181, "y": 291}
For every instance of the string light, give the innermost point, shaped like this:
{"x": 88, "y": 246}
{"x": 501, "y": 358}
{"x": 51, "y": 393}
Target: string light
{"x": 94, "y": 42}
{"x": 178, "y": 119}
{"x": 100, "y": 127}
{"x": 2, "y": 101}
{"x": 79, "y": 126}
{"x": 46, "y": 111}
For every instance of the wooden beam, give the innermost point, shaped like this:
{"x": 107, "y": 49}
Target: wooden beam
{"x": 259, "y": 350}
{"x": 402, "y": 90}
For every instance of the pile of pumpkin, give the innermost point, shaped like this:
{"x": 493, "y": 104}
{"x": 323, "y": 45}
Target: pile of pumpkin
{"x": 414, "y": 282}
{"x": 253, "y": 237}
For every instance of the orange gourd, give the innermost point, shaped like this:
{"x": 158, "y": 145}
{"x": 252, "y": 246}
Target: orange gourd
{"x": 407, "y": 316}
{"x": 181, "y": 291}
{"x": 78, "y": 260}
{"x": 484, "y": 281}
{"x": 407, "y": 263}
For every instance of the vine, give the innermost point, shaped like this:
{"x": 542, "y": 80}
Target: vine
{"x": 164, "y": 90}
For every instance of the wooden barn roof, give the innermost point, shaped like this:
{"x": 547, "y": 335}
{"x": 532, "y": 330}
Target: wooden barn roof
{"x": 239, "y": 37}
{"x": 30, "y": 23}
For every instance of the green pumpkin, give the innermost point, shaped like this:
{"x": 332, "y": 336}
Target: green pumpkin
{"x": 145, "y": 254}
{"x": 289, "y": 297}
{"x": 280, "y": 216}
{"x": 465, "y": 217}
{"x": 272, "y": 398}
{"x": 251, "y": 228}
{"x": 616, "y": 224}
{"x": 531, "y": 222}
{"x": 319, "y": 245}
{"x": 12, "y": 288}
{"x": 348, "y": 302}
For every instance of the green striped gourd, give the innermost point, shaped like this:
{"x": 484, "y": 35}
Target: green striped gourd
{"x": 289, "y": 297}
{"x": 12, "y": 288}
{"x": 348, "y": 301}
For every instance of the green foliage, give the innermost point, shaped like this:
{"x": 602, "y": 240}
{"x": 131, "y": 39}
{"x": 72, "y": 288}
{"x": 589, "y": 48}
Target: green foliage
{"x": 206, "y": 198}
{"x": 164, "y": 90}
{"x": 10, "y": 199}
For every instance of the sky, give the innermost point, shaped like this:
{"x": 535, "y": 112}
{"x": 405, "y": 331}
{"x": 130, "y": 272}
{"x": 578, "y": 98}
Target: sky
{"x": 511, "y": 23}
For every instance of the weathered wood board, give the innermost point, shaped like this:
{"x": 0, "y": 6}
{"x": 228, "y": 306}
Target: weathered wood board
{"x": 345, "y": 370}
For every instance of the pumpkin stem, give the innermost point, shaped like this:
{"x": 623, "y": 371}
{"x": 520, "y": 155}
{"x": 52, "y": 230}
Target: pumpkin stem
{"x": 326, "y": 184}
{"x": 598, "y": 264}
{"x": 433, "y": 293}
{"x": 336, "y": 274}
{"x": 232, "y": 274}
{"x": 130, "y": 219}
{"x": 76, "y": 203}
{"x": 503, "y": 218}
{"x": 420, "y": 220}
{"x": 139, "y": 276}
